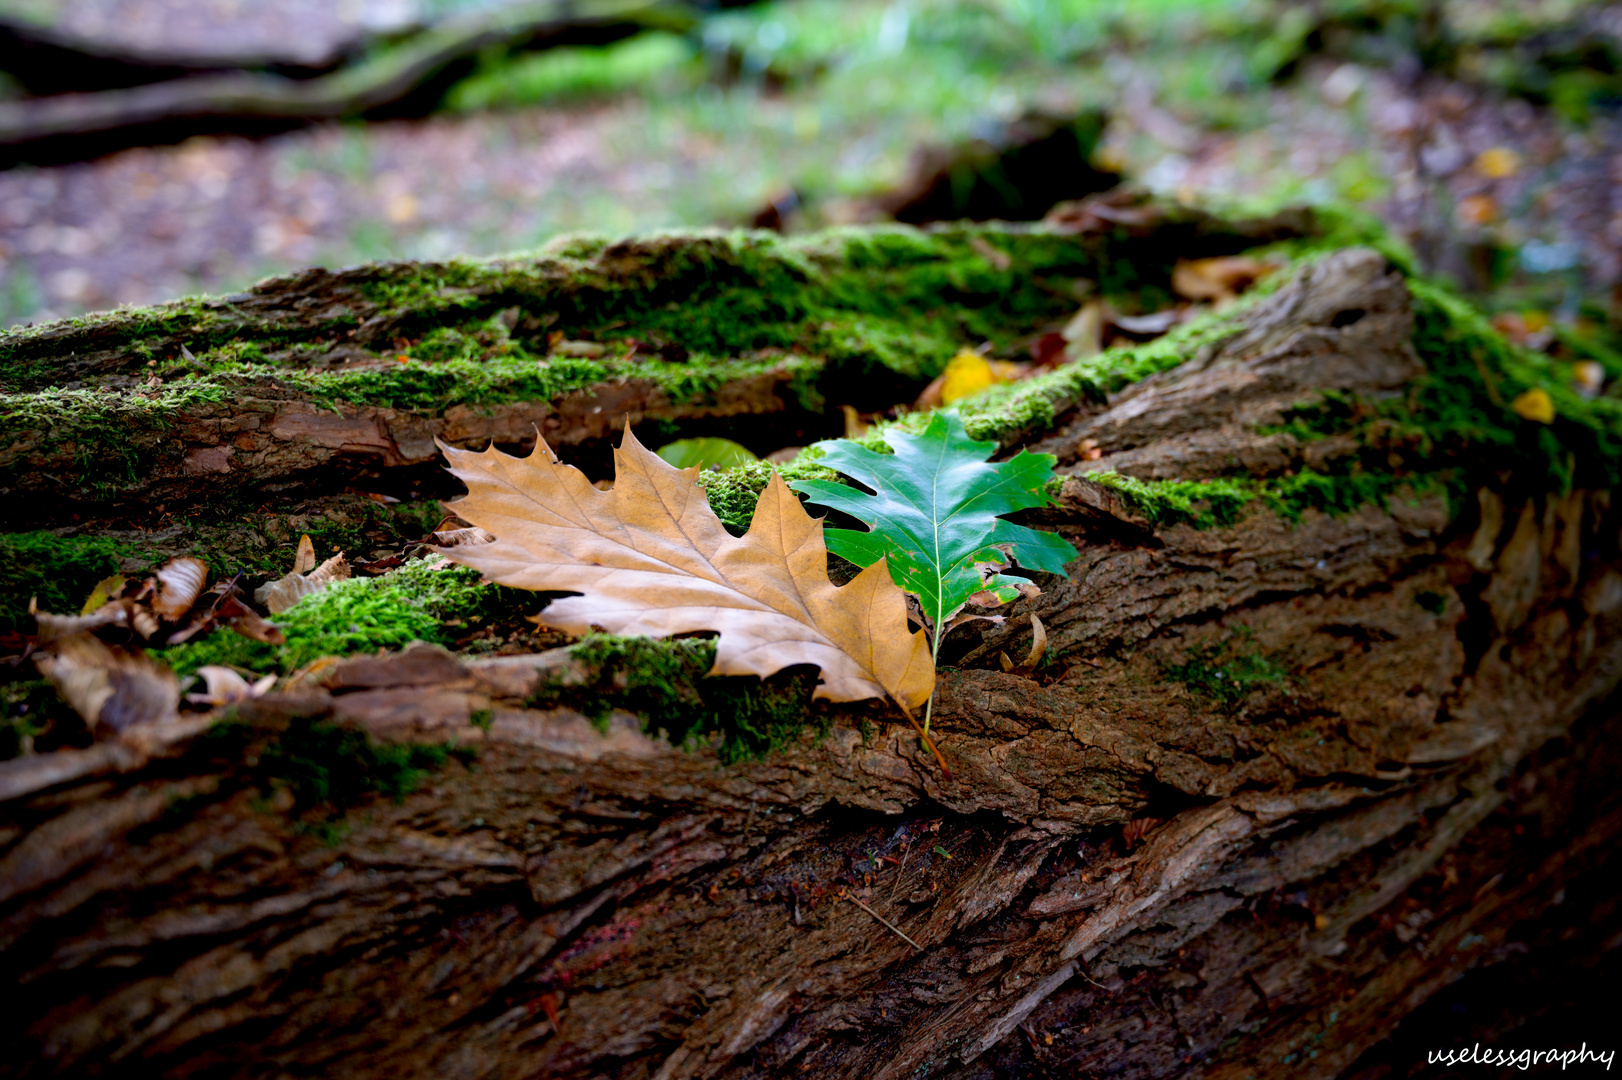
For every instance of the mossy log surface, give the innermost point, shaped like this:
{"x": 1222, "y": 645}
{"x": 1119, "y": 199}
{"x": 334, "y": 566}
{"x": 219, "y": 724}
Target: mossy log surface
{"x": 1328, "y": 722}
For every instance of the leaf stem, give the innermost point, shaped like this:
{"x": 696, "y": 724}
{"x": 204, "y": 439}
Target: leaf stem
{"x": 934, "y": 662}
{"x": 924, "y": 735}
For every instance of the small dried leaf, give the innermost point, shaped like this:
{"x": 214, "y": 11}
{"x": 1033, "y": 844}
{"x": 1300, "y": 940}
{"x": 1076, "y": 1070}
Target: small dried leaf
{"x": 1588, "y": 378}
{"x": 967, "y": 374}
{"x": 1217, "y": 279}
{"x": 247, "y": 622}
{"x": 468, "y": 537}
{"x": 1039, "y": 643}
{"x": 53, "y": 628}
{"x": 1084, "y": 333}
{"x": 180, "y": 583}
{"x": 1039, "y": 648}
{"x": 304, "y": 561}
{"x": 226, "y": 686}
{"x": 964, "y": 617}
{"x": 283, "y": 593}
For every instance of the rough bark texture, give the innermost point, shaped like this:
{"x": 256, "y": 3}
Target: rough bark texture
{"x": 1131, "y": 871}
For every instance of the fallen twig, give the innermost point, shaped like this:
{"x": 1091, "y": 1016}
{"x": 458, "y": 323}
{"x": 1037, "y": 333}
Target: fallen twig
{"x": 887, "y": 923}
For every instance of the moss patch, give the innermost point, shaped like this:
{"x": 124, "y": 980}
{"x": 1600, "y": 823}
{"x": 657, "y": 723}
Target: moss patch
{"x": 328, "y": 769}
{"x": 1227, "y": 673}
{"x": 664, "y": 682}
{"x": 59, "y": 573}
{"x": 413, "y": 603}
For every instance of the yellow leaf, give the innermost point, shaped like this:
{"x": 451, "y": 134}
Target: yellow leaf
{"x": 1535, "y": 404}
{"x": 967, "y": 374}
{"x": 651, "y": 558}
{"x": 105, "y": 590}
{"x": 1498, "y": 163}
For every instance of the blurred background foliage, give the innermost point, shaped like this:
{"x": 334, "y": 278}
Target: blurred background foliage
{"x": 1484, "y": 133}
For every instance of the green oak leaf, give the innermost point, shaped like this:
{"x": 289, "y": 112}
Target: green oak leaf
{"x": 935, "y": 513}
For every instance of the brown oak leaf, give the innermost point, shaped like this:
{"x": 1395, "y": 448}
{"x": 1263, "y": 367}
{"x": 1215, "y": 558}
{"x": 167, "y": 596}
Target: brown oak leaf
{"x": 650, "y": 558}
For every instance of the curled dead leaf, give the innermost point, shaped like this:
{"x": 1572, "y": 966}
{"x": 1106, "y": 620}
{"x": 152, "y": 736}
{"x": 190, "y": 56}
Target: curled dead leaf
{"x": 108, "y": 685}
{"x": 1039, "y": 648}
{"x": 225, "y": 686}
{"x": 283, "y": 593}
{"x": 451, "y": 538}
{"x": 179, "y": 583}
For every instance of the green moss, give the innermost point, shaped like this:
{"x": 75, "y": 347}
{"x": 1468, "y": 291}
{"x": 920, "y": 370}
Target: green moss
{"x": 1433, "y": 602}
{"x": 327, "y": 764}
{"x": 328, "y": 768}
{"x": 57, "y": 572}
{"x": 1201, "y": 503}
{"x": 1229, "y": 672}
{"x": 1456, "y": 429}
{"x": 1475, "y": 373}
{"x": 1206, "y": 504}
{"x": 359, "y": 615}
{"x": 873, "y": 312}
{"x": 110, "y": 437}
{"x": 1453, "y": 431}
{"x": 570, "y": 73}
{"x": 665, "y": 683}
{"x": 734, "y": 492}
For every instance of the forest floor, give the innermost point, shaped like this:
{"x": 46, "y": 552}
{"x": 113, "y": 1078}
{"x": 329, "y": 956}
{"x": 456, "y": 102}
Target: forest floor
{"x": 1509, "y": 193}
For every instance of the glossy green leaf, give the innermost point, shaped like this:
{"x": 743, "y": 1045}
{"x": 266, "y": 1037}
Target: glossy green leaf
{"x": 935, "y": 512}
{"x": 706, "y": 453}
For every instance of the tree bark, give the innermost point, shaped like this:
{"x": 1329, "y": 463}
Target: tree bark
{"x": 1129, "y": 870}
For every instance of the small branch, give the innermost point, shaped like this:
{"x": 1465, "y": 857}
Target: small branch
{"x": 887, "y": 923}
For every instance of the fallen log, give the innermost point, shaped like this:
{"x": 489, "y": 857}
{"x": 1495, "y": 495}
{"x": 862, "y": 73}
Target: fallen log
{"x": 405, "y": 79}
{"x": 1328, "y": 722}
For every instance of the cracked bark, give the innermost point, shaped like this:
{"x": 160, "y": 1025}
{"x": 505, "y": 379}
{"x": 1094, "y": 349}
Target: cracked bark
{"x": 1122, "y": 875}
